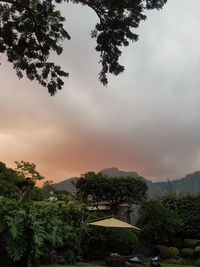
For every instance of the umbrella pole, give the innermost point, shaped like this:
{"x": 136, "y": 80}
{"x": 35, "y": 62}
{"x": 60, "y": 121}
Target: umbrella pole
{"x": 81, "y": 231}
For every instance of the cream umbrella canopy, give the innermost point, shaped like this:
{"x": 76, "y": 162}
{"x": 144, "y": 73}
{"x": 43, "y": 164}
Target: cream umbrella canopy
{"x": 112, "y": 222}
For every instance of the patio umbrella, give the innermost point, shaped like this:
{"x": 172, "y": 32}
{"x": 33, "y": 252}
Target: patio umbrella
{"x": 112, "y": 222}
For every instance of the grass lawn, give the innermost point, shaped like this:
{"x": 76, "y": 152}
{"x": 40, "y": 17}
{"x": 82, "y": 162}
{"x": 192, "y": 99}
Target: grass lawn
{"x": 136, "y": 265}
{"x": 175, "y": 265}
{"x": 70, "y": 266}
{"x": 166, "y": 265}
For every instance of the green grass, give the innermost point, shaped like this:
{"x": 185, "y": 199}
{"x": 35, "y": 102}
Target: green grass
{"x": 136, "y": 265}
{"x": 175, "y": 265}
{"x": 166, "y": 265}
{"x": 70, "y": 266}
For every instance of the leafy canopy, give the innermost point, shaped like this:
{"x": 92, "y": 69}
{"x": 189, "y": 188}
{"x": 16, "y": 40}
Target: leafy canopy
{"x": 14, "y": 182}
{"x": 188, "y": 209}
{"x": 159, "y": 223}
{"x": 30, "y": 30}
{"x": 27, "y": 169}
{"x": 98, "y": 187}
{"x": 9, "y": 182}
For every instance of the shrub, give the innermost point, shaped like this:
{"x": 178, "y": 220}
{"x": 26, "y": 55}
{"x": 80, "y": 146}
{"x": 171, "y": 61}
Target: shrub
{"x": 122, "y": 241}
{"x": 174, "y": 252}
{"x": 187, "y": 207}
{"x": 68, "y": 257}
{"x": 164, "y": 251}
{"x": 98, "y": 242}
{"x": 42, "y": 232}
{"x": 93, "y": 242}
{"x": 192, "y": 243}
{"x": 197, "y": 251}
{"x": 158, "y": 222}
{"x": 183, "y": 261}
{"x": 187, "y": 252}
{"x": 115, "y": 261}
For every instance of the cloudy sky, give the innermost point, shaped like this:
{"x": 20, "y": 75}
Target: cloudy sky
{"x": 146, "y": 120}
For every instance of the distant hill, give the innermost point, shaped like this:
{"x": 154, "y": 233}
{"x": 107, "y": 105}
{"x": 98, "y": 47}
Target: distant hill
{"x": 117, "y": 172}
{"x": 189, "y": 184}
{"x": 66, "y": 185}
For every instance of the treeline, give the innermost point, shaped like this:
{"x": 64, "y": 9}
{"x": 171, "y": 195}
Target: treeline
{"x": 170, "y": 219}
{"x": 38, "y": 232}
{"x": 20, "y": 184}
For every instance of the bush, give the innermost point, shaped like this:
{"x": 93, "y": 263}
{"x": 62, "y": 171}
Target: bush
{"x": 115, "y": 261}
{"x": 94, "y": 242}
{"x": 122, "y": 241}
{"x": 191, "y": 243}
{"x": 68, "y": 257}
{"x": 98, "y": 242}
{"x": 40, "y": 229}
{"x": 183, "y": 261}
{"x": 181, "y": 204}
{"x": 164, "y": 251}
{"x": 197, "y": 251}
{"x": 174, "y": 252}
{"x": 187, "y": 253}
{"x": 158, "y": 222}
{"x": 142, "y": 252}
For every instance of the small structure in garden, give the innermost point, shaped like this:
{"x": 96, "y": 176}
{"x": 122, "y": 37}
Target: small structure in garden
{"x": 112, "y": 222}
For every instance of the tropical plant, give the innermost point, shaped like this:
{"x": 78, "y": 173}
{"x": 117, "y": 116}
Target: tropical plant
{"x": 39, "y": 229}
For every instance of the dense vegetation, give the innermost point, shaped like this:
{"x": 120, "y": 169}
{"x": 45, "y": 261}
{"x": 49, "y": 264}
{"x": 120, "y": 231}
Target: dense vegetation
{"x": 9, "y": 182}
{"x": 172, "y": 225}
{"x": 49, "y": 232}
{"x": 95, "y": 188}
{"x": 52, "y": 233}
{"x": 171, "y": 219}
{"x": 33, "y": 233}
{"x": 187, "y": 207}
{"x": 190, "y": 184}
{"x": 159, "y": 223}
{"x": 58, "y": 232}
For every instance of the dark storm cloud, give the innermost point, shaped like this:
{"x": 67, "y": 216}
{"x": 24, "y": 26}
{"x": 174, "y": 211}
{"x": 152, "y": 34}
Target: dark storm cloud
{"x": 146, "y": 120}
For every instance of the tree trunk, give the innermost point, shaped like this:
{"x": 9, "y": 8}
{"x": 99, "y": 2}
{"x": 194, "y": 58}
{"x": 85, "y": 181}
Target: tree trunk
{"x": 114, "y": 210}
{"x": 26, "y": 194}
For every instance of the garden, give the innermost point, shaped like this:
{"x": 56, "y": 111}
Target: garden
{"x": 40, "y": 233}
{"x": 44, "y": 233}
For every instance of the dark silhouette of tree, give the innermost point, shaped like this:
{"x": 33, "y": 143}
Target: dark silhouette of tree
{"x": 31, "y": 29}
{"x": 95, "y": 188}
{"x": 18, "y": 183}
{"x": 9, "y": 182}
{"x": 159, "y": 223}
{"x": 30, "y": 175}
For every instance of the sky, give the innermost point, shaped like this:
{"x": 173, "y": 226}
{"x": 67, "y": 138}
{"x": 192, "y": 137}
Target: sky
{"x": 146, "y": 119}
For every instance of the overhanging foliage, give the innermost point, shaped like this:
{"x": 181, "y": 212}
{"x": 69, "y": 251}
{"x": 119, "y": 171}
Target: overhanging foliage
{"x": 30, "y": 30}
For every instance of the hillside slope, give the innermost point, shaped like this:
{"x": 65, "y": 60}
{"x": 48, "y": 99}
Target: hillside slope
{"x": 189, "y": 184}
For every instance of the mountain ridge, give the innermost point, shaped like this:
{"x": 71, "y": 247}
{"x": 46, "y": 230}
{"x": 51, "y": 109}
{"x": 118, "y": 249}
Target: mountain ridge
{"x": 190, "y": 184}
